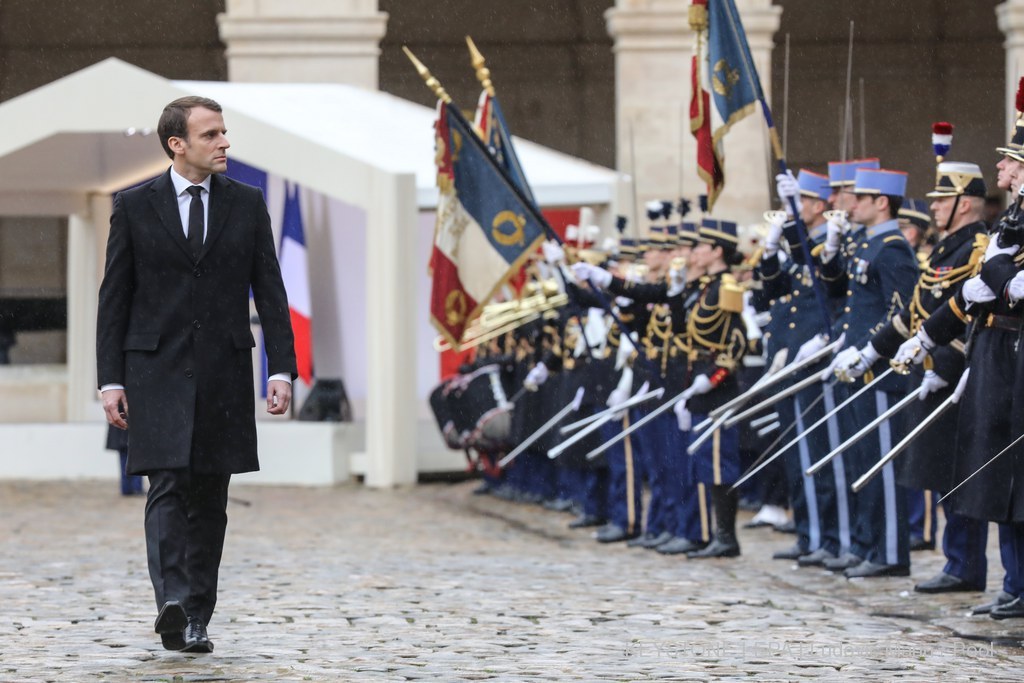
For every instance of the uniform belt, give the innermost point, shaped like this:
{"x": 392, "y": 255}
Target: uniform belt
{"x": 1003, "y": 322}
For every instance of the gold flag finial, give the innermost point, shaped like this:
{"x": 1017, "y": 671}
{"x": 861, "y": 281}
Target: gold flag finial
{"x": 483, "y": 74}
{"x": 428, "y": 78}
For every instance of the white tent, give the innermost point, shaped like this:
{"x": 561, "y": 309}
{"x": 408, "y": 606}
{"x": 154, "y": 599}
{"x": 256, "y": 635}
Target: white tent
{"x": 367, "y": 158}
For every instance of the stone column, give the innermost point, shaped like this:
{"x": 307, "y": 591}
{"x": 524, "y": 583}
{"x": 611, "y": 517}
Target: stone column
{"x": 653, "y": 52}
{"x": 1010, "y": 15}
{"x": 310, "y": 41}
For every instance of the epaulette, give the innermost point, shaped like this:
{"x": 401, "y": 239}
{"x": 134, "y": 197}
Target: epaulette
{"x": 890, "y": 238}
{"x": 730, "y": 294}
{"x": 981, "y": 240}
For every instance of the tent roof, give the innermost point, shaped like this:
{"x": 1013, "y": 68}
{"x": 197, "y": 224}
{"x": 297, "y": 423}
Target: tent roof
{"x": 92, "y": 131}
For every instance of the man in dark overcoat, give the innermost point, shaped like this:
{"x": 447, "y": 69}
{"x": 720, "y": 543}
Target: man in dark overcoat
{"x": 173, "y": 341}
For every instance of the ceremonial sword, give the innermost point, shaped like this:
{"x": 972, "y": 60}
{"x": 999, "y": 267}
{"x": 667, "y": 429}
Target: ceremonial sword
{"x": 572, "y": 407}
{"x": 867, "y": 429}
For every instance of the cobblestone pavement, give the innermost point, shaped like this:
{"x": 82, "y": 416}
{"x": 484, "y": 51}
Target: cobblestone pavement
{"x": 433, "y": 583}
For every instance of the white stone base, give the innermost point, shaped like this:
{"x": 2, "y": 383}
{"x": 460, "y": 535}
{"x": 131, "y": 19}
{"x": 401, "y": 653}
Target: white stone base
{"x": 291, "y": 453}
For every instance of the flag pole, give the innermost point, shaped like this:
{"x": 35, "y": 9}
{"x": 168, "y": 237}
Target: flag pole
{"x": 773, "y": 136}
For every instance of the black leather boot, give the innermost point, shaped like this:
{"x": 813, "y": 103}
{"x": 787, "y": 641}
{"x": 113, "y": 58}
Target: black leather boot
{"x": 724, "y": 544}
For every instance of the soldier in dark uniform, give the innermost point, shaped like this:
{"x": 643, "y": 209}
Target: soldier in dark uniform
{"x": 878, "y": 275}
{"x": 989, "y": 419}
{"x": 927, "y": 465}
{"x": 795, "y": 318}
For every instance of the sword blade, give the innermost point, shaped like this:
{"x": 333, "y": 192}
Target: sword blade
{"x": 715, "y": 426}
{"x": 975, "y": 472}
{"x": 530, "y": 440}
{"x": 628, "y": 403}
{"x": 777, "y": 362}
{"x": 761, "y": 463}
{"x": 635, "y": 426}
{"x": 901, "y": 446}
{"x": 768, "y": 403}
{"x": 775, "y": 378}
{"x": 867, "y": 429}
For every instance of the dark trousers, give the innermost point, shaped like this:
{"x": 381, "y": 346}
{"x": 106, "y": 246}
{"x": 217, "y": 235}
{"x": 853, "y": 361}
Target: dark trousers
{"x": 625, "y": 505}
{"x": 963, "y": 543}
{"x": 186, "y": 515}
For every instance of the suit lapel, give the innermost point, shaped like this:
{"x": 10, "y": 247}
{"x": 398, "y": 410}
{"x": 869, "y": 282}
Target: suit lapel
{"x": 161, "y": 196}
{"x": 221, "y": 192}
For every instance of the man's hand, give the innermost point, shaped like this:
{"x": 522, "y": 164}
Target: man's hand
{"x": 279, "y": 396}
{"x": 115, "y": 405}
{"x": 930, "y": 384}
{"x": 683, "y": 417}
{"x": 914, "y": 350}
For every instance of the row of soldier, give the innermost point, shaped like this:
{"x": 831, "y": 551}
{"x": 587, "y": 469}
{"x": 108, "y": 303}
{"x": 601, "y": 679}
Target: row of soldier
{"x": 869, "y": 344}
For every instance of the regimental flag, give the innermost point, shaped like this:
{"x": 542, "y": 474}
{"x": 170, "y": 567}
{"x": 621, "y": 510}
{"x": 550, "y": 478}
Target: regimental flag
{"x": 484, "y": 231}
{"x": 490, "y": 123}
{"x": 295, "y": 273}
{"x": 726, "y": 86}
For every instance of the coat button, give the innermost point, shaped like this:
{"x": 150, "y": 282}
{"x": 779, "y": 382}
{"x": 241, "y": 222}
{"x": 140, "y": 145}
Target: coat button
{"x": 195, "y": 324}
{"x": 197, "y": 272}
{"x": 792, "y": 325}
{"x": 847, "y": 310}
{"x": 188, "y": 372}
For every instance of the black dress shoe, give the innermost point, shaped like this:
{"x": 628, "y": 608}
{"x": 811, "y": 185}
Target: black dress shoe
{"x": 196, "y": 639}
{"x": 872, "y": 570}
{"x": 679, "y": 546}
{"x": 787, "y": 528}
{"x": 947, "y": 583}
{"x": 1011, "y": 610}
{"x": 818, "y": 558}
{"x": 1001, "y": 599}
{"x": 792, "y": 553}
{"x": 918, "y": 543}
{"x": 171, "y": 618}
{"x": 613, "y": 533}
{"x": 584, "y": 521}
{"x": 719, "y": 547}
{"x": 173, "y": 641}
{"x": 842, "y": 563}
{"x": 649, "y": 541}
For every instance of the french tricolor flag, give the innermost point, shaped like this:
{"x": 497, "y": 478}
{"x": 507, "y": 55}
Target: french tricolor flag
{"x": 295, "y": 272}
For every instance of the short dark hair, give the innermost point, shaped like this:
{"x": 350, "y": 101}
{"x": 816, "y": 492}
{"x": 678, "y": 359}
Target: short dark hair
{"x": 174, "y": 119}
{"x": 895, "y": 204}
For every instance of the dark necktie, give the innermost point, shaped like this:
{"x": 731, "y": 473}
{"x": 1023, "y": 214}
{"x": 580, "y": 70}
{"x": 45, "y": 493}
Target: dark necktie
{"x": 195, "y": 221}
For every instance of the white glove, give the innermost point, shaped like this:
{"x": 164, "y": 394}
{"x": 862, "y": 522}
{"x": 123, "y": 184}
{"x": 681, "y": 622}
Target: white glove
{"x": 977, "y": 292}
{"x": 683, "y": 416}
{"x": 993, "y": 249}
{"x": 930, "y": 384}
{"x": 774, "y": 238}
{"x": 830, "y": 371}
{"x": 623, "y": 302}
{"x": 535, "y": 377}
{"x": 626, "y": 348}
{"x": 553, "y": 252}
{"x": 852, "y": 363}
{"x": 676, "y": 281}
{"x": 699, "y": 385}
{"x": 837, "y": 225}
{"x": 811, "y": 347}
{"x": 598, "y": 277}
{"x": 618, "y": 396}
{"x": 960, "y": 386}
{"x": 1016, "y": 287}
{"x": 914, "y": 349}
{"x": 787, "y": 188}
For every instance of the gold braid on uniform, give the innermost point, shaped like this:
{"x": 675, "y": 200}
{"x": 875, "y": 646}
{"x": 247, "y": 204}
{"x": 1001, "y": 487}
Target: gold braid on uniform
{"x": 569, "y": 341}
{"x": 659, "y": 334}
{"x": 934, "y": 283}
{"x": 708, "y": 330}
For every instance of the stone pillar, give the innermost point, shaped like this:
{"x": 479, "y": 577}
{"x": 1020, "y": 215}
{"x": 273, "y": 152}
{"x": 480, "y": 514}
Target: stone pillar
{"x": 1010, "y": 15}
{"x": 653, "y": 52}
{"x": 309, "y": 41}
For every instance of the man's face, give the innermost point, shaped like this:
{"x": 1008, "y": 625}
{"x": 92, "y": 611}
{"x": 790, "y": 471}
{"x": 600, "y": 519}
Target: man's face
{"x": 865, "y": 209}
{"x": 702, "y": 256}
{"x": 1008, "y": 170}
{"x": 811, "y": 209}
{"x": 205, "y": 150}
{"x": 844, "y": 201}
{"x": 942, "y": 209}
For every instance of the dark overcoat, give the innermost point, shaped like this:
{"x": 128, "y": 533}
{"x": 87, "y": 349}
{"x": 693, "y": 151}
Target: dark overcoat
{"x": 175, "y": 332}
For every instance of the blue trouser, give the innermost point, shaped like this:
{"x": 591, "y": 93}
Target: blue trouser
{"x": 879, "y": 532}
{"x": 692, "y": 514}
{"x": 963, "y": 543}
{"x": 1011, "y": 552}
{"x": 571, "y": 484}
{"x": 921, "y": 518}
{"x": 834, "y": 492}
{"x": 625, "y": 501}
{"x": 130, "y": 483}
{"x": 651, "y": 442}
{"x": 717, "y": 461}
{"x": 595, "y": 492}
